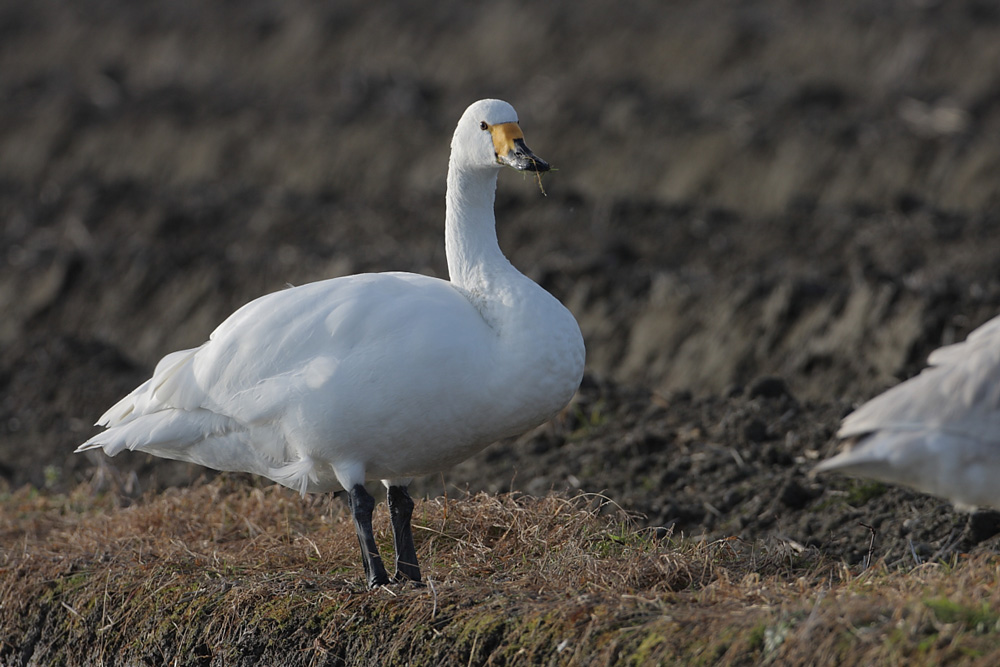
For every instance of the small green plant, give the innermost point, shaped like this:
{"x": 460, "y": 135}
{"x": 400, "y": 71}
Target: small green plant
{"x": 52, "y": 474}
{"x": 774, "y": 637}
{"x": 861, "y": 492}
{"x": 757, "y": 637}
{"x": 588, "y": 418}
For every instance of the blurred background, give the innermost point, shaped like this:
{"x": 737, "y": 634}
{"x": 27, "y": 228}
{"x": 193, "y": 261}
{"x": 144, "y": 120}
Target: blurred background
{"x": 808, "y": 190}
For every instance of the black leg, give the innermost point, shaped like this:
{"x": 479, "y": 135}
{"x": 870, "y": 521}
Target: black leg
{"x": 362, "y": 505}
{"x": 400, "y": 512}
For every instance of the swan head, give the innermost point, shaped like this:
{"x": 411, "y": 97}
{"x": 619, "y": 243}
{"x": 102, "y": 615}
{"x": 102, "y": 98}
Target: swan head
{"x": 488, "y": 136}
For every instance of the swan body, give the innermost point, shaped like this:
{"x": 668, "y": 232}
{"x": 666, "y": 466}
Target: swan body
{"x": 938, "y": 432}
{"x": 375, "y": 376}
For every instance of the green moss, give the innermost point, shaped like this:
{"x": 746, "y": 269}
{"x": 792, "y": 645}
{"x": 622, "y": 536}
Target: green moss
{"x": 970, "y": 652}
{"x": 487, "y": 624}
{"x": 980, "y": 619}
{"x": 644, "y": 653}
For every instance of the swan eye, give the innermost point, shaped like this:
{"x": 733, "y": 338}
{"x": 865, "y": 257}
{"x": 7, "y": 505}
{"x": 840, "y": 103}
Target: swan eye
{"x": 483, "y": 125}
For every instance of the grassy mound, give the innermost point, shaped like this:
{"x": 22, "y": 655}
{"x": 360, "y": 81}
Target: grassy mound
{"x": 230, "y": 573}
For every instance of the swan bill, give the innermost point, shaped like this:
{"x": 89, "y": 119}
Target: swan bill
{"x": 508, "y": 143}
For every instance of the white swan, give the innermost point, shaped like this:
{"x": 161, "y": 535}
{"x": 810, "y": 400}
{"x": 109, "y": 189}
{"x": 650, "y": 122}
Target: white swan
{"x": 938, "y": 432}
{"x": 375, "y": 376}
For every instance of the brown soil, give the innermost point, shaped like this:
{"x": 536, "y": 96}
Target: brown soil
{"x": 763, "y": 213}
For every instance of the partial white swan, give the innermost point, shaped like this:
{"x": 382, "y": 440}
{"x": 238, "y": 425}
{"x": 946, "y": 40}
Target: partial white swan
{"x": 938, "y": 432}
{"x": 375, "y": 376}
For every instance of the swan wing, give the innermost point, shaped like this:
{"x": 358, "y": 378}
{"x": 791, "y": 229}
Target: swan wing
{"x": 938, "y": 432}
{"x": 350, "y": 344}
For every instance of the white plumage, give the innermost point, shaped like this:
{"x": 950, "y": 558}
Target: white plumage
{"x": 938, "y": 432}
{"x": 375, "y": 376}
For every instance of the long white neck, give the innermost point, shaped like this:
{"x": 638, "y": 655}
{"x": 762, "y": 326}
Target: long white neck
{"x": 470, "y": 234}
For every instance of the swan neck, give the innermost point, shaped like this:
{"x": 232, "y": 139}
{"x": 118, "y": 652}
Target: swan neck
{"x": 471, "y": 246}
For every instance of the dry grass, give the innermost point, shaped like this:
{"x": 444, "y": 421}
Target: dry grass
{"x": 229, "y": 573}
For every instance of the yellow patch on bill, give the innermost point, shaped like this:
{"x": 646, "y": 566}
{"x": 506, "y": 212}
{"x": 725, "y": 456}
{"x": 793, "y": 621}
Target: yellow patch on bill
{"x": 504, "y": 136}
